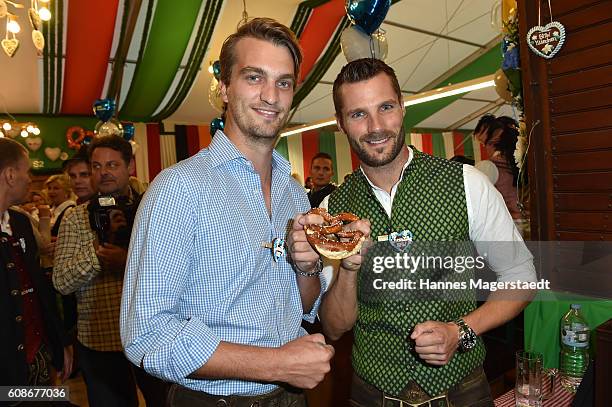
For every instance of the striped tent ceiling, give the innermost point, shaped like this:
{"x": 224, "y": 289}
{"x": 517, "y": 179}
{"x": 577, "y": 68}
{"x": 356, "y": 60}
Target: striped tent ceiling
{"x": 164, "y": 47}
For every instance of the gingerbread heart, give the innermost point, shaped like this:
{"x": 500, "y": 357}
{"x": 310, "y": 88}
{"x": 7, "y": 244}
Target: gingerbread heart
{"x": 53, "y": 153}
{"x": 10, "y": 46}
{"x": 39, "y": 40}
{"x": 34, "y": 19}
{"x": 546, "y": 41}
{"x": 33, "y": 143}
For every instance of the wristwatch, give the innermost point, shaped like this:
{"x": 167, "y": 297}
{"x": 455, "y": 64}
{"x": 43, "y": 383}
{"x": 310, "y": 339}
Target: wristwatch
{"x": 467, "y": 336}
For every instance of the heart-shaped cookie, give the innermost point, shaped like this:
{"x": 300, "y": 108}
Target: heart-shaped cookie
{"x": 33, "y": 143}
{"x": 39, "y": 40}
{"x": 400, "y": 240}
{"x": 546, "y": 41}
{"x": 53, "y": 153}
{"x": 10, "y": 46}
{"x": 34, "y": 19}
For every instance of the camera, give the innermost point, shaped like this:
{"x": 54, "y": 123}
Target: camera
{"x": 112, "y": 218}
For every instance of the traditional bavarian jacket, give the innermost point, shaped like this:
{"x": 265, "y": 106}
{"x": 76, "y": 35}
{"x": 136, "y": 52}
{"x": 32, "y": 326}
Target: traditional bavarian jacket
{"x": 28, "y": 312}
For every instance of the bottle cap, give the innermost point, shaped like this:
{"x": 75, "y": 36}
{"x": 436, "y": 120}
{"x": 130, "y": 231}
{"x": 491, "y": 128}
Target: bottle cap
{"x": 576, "y": 306}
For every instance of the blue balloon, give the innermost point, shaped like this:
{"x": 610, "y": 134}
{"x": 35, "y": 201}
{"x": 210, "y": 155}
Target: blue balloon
{"x": 217, "y": 69}
{"x": 216, "y": 124}
{"x": 367, "y": 14}
{"x": 87, "y": 140}
{"x": 128, "y": 131}
{"x": 104, "y": 109}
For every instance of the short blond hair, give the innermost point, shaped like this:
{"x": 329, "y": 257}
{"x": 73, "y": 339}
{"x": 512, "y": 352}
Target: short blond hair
{"x": 62, "y": 180}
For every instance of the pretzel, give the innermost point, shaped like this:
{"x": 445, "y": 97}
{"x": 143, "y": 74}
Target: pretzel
{"x": 329, "y": 239}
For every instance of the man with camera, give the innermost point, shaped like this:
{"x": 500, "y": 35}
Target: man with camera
{"x": 90, "y": 257}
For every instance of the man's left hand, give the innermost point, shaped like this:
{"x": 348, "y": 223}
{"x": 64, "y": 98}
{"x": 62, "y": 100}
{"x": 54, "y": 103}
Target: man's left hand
{"x": 435, "y": 342}
{"x": 112, "y": 257}
{"x": 304, "y": 257}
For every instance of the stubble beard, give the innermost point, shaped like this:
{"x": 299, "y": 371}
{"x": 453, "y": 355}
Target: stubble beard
{"x": 371, "y": 160}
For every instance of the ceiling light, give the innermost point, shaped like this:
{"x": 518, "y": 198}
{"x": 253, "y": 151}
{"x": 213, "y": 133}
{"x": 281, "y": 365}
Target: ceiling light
{"x": 451, "y": 90}
{"x": 44, "y": 14}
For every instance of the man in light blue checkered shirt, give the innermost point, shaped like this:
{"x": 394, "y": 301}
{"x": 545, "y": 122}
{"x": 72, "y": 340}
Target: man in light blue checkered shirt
{"x": 204, "y": 303}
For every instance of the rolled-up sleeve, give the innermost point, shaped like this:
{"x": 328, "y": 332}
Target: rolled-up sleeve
{"x": 153, "y": 333}
{"x": 493, "y": 231}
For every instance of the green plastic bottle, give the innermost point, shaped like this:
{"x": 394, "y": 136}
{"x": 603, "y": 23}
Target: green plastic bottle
{"x": 575, "y": 335}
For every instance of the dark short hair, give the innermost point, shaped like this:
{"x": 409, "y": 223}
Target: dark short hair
{"x": 10, "y": 153}
{"x": 321, "y": 155}
{"x": 484, "y": 123}
{"x": 265, "y": 29}
{"x": 80, "y": 157}
{"x": 361, "y": 70}
{"x": 114, "y": 143}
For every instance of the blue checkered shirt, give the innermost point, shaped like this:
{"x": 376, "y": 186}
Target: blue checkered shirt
{"x": 197, "y": 273}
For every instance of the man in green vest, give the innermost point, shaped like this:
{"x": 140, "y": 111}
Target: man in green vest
{"x": 414, "y": 346}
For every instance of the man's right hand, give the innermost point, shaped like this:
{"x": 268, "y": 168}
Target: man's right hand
{"x": 305, "y": 361}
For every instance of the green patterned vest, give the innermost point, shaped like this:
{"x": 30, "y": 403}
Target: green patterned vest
{"x": 430, "y": 202}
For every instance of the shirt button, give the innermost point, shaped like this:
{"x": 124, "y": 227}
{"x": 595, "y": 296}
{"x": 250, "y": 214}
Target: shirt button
{"x": 15, "y": 293}
{"x": 18, "y": 318}
{"x": 20, "y": 346}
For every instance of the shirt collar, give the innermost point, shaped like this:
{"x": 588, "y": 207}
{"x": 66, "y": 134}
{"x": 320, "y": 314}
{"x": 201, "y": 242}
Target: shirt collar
{"x": 222, "y": 150}
{"x": 5, "y": 225}
{"x": 410, "y": 156}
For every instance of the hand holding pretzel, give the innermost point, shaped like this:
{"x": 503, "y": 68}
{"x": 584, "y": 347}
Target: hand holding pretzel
{"x": 333, "y": 239}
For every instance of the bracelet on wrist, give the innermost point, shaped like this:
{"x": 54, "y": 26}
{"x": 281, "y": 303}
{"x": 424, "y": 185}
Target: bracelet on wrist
{"x": 317, "y": 270}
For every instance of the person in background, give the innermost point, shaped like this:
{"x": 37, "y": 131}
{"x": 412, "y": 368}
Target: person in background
{"x": 224, "y": 325}
{"x": 78, "y": 170}
{"x": 499, "y": 137}
{"x": 308, "y": 184}
{"x": 321, "y": 172}
{"x": 59, "y": 194}
{"x": 31, "y": 338}
{"x": 90, "y": 257}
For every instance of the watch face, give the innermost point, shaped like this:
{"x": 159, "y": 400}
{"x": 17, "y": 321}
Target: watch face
{"x": 468, "y": 339}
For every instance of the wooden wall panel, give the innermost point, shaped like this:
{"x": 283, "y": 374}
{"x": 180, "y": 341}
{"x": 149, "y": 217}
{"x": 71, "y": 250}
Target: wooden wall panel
{"x": 587, "y": 182}
{"x": 562, "y": 7}
{"x": 587, "y": 120}
{"x": 569, "y": 97}
{"x": 590, "y": 140}
{"x": 583, "y": 201}
{"x": 584, "y": 161}
{"x": 585, "y": 16}
{"x": 586, "y": 100}
{"x": 582, "y": 80}
{"x": 590, "y": 36}
{"x": 583, "y": 221}
{"x": 583, "y": 59}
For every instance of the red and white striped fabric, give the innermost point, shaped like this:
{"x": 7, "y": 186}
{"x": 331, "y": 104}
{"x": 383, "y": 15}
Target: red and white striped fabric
{"x": 561, "y": 398}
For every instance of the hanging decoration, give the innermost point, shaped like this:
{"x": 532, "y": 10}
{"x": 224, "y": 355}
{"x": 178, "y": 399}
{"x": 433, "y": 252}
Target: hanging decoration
{"x": 104, "y": 109}
{"x": 82, "y": 137}
{"x": 214, "y": 92}
{"x": 356, "y": 44}
{"x": 36, "y": 15}
{"x": 546, "y": 41}
{"x": 13, "y": 128}
{"x": 128, "y": 131}
{"x": 365, "y": 38}
{"x": 367, "y": 14}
